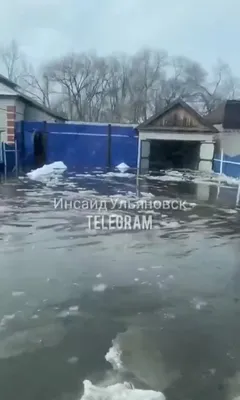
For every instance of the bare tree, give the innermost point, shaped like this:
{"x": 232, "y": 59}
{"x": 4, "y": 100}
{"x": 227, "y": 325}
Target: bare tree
{"x": 119, "y": 88}
{"x": 13, "y": 62}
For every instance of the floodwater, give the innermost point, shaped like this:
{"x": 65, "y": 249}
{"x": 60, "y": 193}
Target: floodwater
{"x": 163, "y": 304}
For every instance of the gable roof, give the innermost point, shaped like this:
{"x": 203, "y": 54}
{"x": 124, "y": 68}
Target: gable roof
{"x": 27, "y": 99}
{"x": 147, "y": 125}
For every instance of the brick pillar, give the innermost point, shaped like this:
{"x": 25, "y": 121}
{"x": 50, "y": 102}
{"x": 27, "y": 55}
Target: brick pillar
{"x": 11, "y": 119}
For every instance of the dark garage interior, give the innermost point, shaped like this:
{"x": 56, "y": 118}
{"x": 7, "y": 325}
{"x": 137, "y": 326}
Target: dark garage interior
{"x": 173, "y": 154}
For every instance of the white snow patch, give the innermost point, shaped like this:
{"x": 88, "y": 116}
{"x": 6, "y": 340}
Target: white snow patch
{"x": 5, "y": 319}
{"x": 113, "y": 356}
{"x": 18, "y": 294}
{"x": 99, "y": 288}
{"x": 72, "y": 311}
{"x": 119, "y": 391}
{"x": 230, "y": 211}
{"x": 99, "y": 275}
{"x": 196, "y": 177}
{"x": 72, "y": 360}
{"x": 73, "y": 308}
{"x": 122, "y": 167}
{"x": 169, "y": 316}
{"x": 198, "y": 303}
{"x": 117, "y": 175}
{"x": 47, "y": 170}
{"x": 85, "y": 175}
{"x": 170, "y": 224}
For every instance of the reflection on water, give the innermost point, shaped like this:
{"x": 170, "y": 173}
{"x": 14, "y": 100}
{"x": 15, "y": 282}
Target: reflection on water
{"x": 167, "y": 297}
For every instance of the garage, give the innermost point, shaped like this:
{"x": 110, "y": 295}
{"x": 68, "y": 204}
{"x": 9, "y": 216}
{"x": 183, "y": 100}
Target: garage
{"x": 177, "y": 138}
{"x": 173, "y": 154}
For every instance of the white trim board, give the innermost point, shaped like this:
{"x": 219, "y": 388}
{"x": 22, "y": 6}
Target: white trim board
{"x": 195, "y": 137}
{"x": 226, "y": 162}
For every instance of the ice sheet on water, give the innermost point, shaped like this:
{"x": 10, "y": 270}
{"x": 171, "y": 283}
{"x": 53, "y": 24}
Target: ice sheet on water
{"x": 117, "y": 175}
{"x": 119, "y": 391}
{"x": 5, "y": 319}
{"x": 196, "y": 177}
{"x": 18, "y": 294}
{"x": 47, "y": 170}
{"x": 101, "y": 287}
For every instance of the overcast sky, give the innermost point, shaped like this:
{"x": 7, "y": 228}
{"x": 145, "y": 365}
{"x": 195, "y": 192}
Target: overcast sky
{"x": 204, "y": 30}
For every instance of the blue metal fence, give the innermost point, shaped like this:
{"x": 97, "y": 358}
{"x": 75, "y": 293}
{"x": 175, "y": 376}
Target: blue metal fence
{"x": 80, "y": 145}
{"x": 229, "y": 166}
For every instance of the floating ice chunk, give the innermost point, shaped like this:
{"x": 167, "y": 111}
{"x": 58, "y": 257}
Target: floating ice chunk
{"x": 73, "y": 308}
{"x": 99, "y": 288}
{"x": 198, "y": 303}
{"x": 18, "y": 294}
{"x": 119, "y": 391}
{"x": 122, "y": 167}
{"x": 72, "y": 360}
{"x": 113, "y": 356}
{"x": 5, "y": 319}
{"x": 170, "y": 224}
{"x": 48, "y": 169}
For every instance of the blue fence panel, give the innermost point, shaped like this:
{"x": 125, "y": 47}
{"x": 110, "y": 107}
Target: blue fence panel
{"x": 77, "y": 151}
{"x": 232, "y": 170}
{"x": 79, "y": 145}
{"x": 124, "y": 149}
{"x": 235, "y": 159}
{"x": 216, "y": 166}
{"x": 24, "y": 136}
{"x": 230, "y": 165}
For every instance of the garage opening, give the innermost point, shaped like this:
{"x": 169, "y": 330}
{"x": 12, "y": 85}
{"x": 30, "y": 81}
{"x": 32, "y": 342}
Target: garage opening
{"x": 39, "y": 145}
{"x": 173, "y": 154}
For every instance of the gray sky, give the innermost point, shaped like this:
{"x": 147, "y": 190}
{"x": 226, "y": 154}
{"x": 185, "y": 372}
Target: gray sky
{"x": 203, "y": 30}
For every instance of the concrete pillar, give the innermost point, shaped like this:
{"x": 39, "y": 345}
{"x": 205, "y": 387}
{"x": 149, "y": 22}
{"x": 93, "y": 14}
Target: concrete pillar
{"x": 206, "y": 156}
{"x": 143, "y": 156}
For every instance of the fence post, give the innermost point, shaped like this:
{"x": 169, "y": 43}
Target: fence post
{"x": 221, "y": 162}
{"x": 109, "y": 146}
{"x": 22, "y": 149}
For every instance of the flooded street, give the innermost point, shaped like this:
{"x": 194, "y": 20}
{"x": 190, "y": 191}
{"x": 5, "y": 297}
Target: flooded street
{"x": 159, "y": 308}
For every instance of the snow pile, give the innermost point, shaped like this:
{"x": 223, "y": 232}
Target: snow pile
{"x": 119, "y": 391}
{"x": 122, "y": 167}
{"x": 47, "y": 170}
